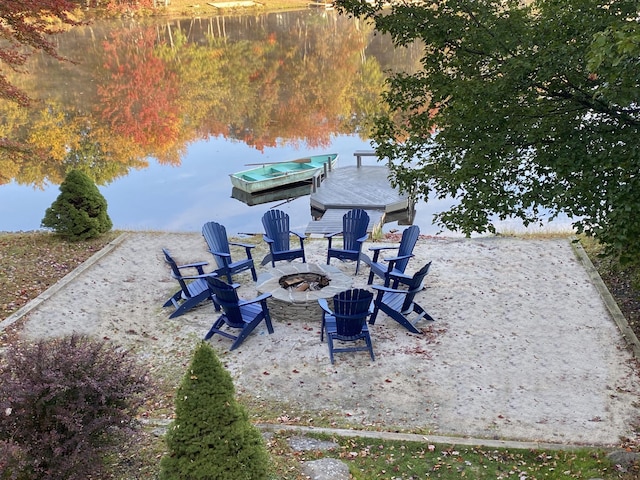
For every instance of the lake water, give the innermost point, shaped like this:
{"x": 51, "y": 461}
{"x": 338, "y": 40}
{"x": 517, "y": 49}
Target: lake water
{"x": 161, "y": 112}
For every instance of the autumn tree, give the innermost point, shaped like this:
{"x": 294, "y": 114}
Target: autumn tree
{"x": 139, "y": 96}
{"x": 25, "y": 27}
{"x": 537, "y": 111}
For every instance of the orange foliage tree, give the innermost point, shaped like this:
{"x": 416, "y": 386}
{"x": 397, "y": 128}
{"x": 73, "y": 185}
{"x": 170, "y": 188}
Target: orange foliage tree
{"x": 139, "y": 94}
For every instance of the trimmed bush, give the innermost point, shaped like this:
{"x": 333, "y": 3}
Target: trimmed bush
{"x": 80, "y": 211}
{"x": 211, "y": 437}
{"x": 63, "y": 405}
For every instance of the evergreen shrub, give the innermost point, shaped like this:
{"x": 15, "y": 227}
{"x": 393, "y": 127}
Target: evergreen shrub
{"x": 211, "y": 437}
{"x": 64, "y": 404}
{"x": 80, "y": 211}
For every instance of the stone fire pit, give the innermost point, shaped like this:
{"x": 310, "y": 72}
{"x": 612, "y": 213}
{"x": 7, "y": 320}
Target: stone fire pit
{"x": 296, "y": 303}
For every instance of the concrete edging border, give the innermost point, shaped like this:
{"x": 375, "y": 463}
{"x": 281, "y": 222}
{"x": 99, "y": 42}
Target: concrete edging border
{"x": 614, "y": 310}
{"x": 424, "y": 438}
{"x": 64, "y": 281}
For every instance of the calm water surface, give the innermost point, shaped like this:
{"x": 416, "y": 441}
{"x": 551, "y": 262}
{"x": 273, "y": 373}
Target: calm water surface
{"x": 161, "y": 113}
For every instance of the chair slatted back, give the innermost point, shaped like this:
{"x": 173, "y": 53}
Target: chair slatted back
{"x": 276, "y": 226}
{"x": 175, "y": 271}
{"x": 415, "y": 285}
{"x": 354, "y": 226}
{"x": 216, "y": 237}
{"x": 351, "y": 309}
{"x": 227, "y": 298}
{"x": 407, "y": 244}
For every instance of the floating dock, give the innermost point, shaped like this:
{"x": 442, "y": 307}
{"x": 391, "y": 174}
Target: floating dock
{"x": 345, "y": 188}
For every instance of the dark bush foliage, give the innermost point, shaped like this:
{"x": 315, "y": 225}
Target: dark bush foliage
{"x": 64, "y": 404}
{"x": 80, "y": 211}
{"x": 212, "y": 437}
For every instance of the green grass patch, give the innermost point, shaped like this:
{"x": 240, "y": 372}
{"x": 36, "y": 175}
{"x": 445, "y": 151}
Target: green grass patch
{"x": 372, "y": 458}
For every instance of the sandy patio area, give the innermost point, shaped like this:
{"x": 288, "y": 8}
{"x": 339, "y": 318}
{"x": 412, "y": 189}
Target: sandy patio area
{"x": 522, "y": 347}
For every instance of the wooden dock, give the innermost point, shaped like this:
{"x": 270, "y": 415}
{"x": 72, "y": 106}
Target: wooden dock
{"x": 345, "y": 188}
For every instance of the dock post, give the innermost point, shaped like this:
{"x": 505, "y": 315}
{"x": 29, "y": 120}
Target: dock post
{"x": 316, "y": 180}
{"x": 363, "y": 153}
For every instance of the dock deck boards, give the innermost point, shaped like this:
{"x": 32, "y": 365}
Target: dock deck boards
{"x": 366, "y": 187}
{"x": 345, "y": 188}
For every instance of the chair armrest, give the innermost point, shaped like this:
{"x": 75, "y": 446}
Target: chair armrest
{"x": 262, "y": 297}
{"x": 324, "y": 305}
{"x": 220, "y": 254}
{"x": 245, "y": 245}
{"x": 330, "y": 235}
{"x": 267, "y": 239}
{"x": 383, "y": 247}
{"x": 382, "y": 288}
{"x": 193, "y": 265}
{"x": 363, "y": 238}
{"x": 194, "y": 277}
{"x": 396, "y": 278}
{"x": 299, "y": 235}
{"x": 399, "y": 257}
{"x": 376, "y": 249}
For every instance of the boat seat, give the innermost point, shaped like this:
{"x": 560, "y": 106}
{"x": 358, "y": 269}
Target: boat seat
{"x": 249, "y": 178}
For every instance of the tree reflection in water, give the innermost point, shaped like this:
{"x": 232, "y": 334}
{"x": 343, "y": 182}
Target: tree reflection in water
{"x": 158, "y": 102}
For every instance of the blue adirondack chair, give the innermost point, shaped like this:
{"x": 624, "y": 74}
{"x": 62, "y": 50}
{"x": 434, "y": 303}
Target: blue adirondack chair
{"x": 347, "y": 322}
{"x": 216, "y": 237}
{"x": 277, "y": 235}
{"x": 354, "y": 234}
{"x": 399, "y": 304}
{"x": 393, "y": 265}
{"x": 193, "y": 288}
{"x": 239, "y": 314}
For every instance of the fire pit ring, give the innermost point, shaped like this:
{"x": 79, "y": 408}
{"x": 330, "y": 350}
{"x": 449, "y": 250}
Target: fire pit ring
{"x": 288, "y": 304}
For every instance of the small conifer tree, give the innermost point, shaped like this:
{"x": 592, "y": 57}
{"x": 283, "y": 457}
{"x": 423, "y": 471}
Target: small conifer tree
{"x": 211, "y": 437}
{"x": 80, "y": 211}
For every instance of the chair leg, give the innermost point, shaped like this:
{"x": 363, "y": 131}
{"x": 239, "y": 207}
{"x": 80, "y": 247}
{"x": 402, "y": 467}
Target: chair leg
{"x": 267, "y": 317}
{"x": 173, "y": 300}
{"x": 214, "y": 328}
{"x": 246, "y": 331}
{"x": 421, "y": 313}
{"x": 370, "y": 346}
{"x": 189, "y": 304}
{"x": 330, "y": 343}
{"x": 370, "y": 279}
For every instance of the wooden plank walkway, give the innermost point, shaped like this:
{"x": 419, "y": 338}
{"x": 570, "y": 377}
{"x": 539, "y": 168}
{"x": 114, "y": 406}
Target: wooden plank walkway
{"x": 345, "y": 188}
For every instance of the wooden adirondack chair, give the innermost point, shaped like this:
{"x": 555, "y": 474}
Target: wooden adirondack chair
{"x": 216, "y": 237}
{"x": 277, "y": 235}
{"x": 243, "y": 315}
{"x": 348, "y": 321}
{"x": 399, "y": 304}
{"x": 393, "y": 265}
{"x": 354, "y": 234}
{"x": 193, "y": 288}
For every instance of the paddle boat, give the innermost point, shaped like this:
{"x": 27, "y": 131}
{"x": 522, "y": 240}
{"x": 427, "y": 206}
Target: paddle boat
{"x": 270, "y": 175}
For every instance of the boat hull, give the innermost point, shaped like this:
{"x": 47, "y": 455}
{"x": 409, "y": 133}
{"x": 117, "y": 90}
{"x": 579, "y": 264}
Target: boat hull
{"x": 278, "y": 175}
